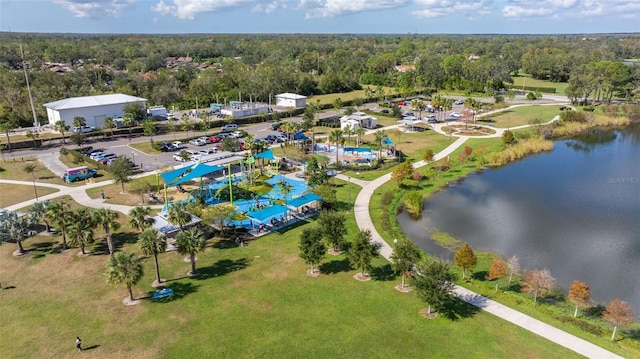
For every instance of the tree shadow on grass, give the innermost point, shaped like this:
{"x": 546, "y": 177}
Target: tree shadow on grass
{"x": 384, "y": 273}
{"x": 42, "y": 249}
{"x": 180, "y": 290}
{"x": 226, "y": 243}
{"x": 221, "y": 267}
{"x": 594, "y": 311}
{"x": 335, "y": 266}
{"x": 481, "y": 275}
{"x": 458, "y": 309}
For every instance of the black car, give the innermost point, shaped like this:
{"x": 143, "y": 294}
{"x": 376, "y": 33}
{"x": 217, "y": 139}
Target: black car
{"x": 276, "y": 126}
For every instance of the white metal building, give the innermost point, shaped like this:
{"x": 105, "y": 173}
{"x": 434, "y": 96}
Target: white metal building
{"x": 291, "y": 100}
{"x": 94, "y": 109}
{"x": 357, "y": 120}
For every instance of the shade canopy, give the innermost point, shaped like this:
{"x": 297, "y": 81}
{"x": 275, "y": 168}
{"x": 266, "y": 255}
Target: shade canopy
{"x": 387, "y": 141}
{"x": 300, "y": 136}
{"x": 198, "y": 170}
{"x": 172, "y": 178}
{"x": 264, "y": 215}
{"x": 268, "y": 154}
{"x": 303, "y": 200}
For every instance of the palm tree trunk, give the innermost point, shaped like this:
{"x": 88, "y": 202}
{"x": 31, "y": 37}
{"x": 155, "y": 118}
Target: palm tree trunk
{"x": 64, "y": 238}
{"x": 155, "y": 257}
{"x": 20, "y": 248}
{"x": 402, "y": 280}
{"x": 109, "y": 242}
{"x": 193, "y": 263}
{"x": 82, "y": 249}
{"x": 613, "y": 336}
{"x": 130, "y": 293}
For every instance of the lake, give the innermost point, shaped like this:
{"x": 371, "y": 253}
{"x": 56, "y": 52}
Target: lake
{"x": 574, "y": 210}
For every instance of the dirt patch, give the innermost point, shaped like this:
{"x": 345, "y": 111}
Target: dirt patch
{"x": 314, "y": 274}
{"x": 425, "y": 313}
{"x": 405, "y": 289}
{"x": 362, "y": 277}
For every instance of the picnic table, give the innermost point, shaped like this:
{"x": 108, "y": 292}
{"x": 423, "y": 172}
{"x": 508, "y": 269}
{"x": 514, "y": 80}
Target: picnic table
{"x": 162, "y": 293}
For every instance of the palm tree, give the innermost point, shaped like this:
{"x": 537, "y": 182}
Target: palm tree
{"x": 129, "y": 121}
{"x": 39, "y": 209}
{"x": 31, "y": 169}
{"x": 107, "y": 218}
{"x": 139, "y": 218}
{"x": 348, "y": 130}
{"x": 6, "y": 127}
{"x": 16, "y": 227}
{"x": 33, "y": 136}
{"x": 379, "y": 135}
{"x": 81, "y": 231}
{"x": 152, "y": 243}
{"x": 336, "y": 137}
{"x": 285, "y": 188}
{"x": 359, "y": 133}
{"x": 110, "y": 124}
{"x": 420, "y": 106}
{"x": 337, "y": 104}
{"x": 61, "y": 126}
{"x": 124, "y": 268}
{"x": 190, "y": 242}
{"x": 59, "y": 213}
{"x": 178, "y": 215}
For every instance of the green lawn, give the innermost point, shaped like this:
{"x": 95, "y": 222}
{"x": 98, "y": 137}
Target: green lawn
{"x": 253, "y": 301}
{"x": 145, "y": 147}
{"x": 347, "y": 96}
{"x": 528, "y": 81}
{"x": 519, "y": 116}
{"x": 14, "y": 194}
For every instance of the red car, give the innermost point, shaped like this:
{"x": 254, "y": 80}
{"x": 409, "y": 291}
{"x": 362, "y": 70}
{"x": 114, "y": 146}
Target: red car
{"x": 402, "y": 103}
{"x": 214, "y": 139}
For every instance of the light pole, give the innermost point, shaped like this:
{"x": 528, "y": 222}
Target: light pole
{"x": 133, "y": 158}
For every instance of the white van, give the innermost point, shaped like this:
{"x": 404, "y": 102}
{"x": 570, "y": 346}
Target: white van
{"x": 230, "y": 127}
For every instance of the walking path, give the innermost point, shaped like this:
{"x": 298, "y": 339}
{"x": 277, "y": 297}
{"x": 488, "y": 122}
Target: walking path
{"x": 363, "y": 219}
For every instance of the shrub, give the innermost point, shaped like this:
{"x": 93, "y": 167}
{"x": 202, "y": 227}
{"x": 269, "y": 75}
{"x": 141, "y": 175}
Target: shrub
{"x": 387, "y": 197}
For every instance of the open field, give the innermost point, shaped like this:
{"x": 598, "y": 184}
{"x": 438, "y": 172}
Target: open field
{"x": 346, "y": 96}
{"x": 250, "y": 301}
{"x": 13, "y": 194}
{"x": 526, "y": 80}
{"x": 519, "y": 116}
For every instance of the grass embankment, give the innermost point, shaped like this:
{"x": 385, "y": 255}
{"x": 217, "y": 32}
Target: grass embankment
{"x": 567, "y": 129}
{"x": 250, "y": 301}
{"x": 522, "y": 149}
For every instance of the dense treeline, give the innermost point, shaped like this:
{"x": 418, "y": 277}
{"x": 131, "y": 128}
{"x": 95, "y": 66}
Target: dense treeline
{"x": 225, "y": 67}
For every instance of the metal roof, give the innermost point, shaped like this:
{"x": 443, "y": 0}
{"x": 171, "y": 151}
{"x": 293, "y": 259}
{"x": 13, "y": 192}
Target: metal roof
{"x": 92, "y": 101}
{"x": 289, "y": 95}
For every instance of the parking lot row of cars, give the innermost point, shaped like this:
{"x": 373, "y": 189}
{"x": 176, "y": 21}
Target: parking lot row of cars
{"x": 100, "y": 155}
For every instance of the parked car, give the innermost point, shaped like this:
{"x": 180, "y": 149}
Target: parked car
{"x": 214, "y": 139}
{"x": 431, "y": 118}
{"x": 208, "y": 151}
{"x": 94, "y": 151}
{"x": 100, "y": 156}
{"x": 384, "y": 111}
{"x": 276, "y": 126}
{"x": 229, "y": 127}
{"x": 107, "y": 157}
{"x": 236, "y": 134}
{"x": 197, "y": 142}
{"x": 206, "y": 140}
{"x": 402, "y": 103}
{"x": 177, "y": 156}
{"x": 83, "y": 129}
{"x": 455, "y": 114}
{"x": 459, "y": 102}
{"x": 178, "y": 145}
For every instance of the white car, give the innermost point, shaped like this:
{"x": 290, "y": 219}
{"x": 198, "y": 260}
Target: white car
{"x": 178, "y": 145}
{"x": 236, "y": 134}
{"x": 456, "y": 114}
{"x": 83, "y": 129}
{"x": 198, "y": 142}
{"x": 206, "y": 140}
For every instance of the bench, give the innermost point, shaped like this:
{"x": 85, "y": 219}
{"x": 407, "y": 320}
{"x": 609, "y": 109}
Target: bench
{"x": 162, "y": 293}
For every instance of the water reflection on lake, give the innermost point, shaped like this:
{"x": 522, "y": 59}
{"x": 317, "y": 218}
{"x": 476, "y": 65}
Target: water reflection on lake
{"x": 575, "y": 211}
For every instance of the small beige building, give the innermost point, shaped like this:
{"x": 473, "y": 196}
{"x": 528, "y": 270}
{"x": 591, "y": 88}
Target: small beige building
{"x": 291, "y": 100}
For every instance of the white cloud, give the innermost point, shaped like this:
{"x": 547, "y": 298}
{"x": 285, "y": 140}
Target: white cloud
{"x": 270, "y": 7}
{"x": 315, "y": 9}
{"x": 558, "y": 9}
{"x": 97, "y": 9}
{"x": 188, "y": 9}
{"x": 438, "y": 8}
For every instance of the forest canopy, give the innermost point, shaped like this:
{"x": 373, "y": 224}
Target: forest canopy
{"x": 174, "y": 70}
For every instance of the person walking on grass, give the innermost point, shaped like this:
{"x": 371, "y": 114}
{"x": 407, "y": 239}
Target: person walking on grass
{"x": 79, "y": 344}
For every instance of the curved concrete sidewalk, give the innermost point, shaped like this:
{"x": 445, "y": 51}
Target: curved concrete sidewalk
{"x": 569, "y": 341}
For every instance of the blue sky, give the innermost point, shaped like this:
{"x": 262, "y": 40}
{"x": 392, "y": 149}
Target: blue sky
{"x": 321, "y": 16}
